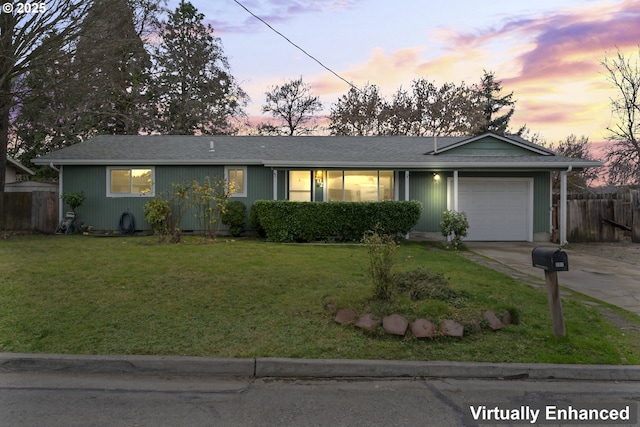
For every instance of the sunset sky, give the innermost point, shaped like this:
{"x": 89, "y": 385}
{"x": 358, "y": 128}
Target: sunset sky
{"x": 548, "y": 52}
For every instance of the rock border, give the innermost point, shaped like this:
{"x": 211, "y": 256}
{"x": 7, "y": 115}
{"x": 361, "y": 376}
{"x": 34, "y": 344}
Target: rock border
{"x": 397, "y": 325}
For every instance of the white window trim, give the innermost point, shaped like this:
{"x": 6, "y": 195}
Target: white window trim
{"x": 153, "y": 181}
{"x": 226, "y": 177}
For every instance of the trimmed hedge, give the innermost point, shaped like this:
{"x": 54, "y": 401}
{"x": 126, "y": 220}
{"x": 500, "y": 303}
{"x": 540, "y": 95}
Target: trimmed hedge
{"x": 285, "y": 221}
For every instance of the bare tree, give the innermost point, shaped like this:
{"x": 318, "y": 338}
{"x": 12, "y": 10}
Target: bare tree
{"x": 623, "y": 154}
{"x": 358, "y": 113}
{"x": 25, "y": 40}
{"x": 580, "y": 180}
{"x": 293, "y": 105}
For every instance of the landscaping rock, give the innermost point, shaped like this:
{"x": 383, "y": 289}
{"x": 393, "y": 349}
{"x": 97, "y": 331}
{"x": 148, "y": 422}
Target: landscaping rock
{"x": 494, "y": 323}
{"x": 345, "y": 315}
{"x": 422, "y": 328}
{"x": 452, "y": 328}
{"x": 367, "y": 321}
{"x": 395, "y": 325}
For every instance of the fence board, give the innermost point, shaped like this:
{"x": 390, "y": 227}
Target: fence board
{"x": 599, "y": 217}
{"x": 30, "y": 211}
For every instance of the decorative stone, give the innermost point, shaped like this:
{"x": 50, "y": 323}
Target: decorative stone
{"x": 367, "y": 321}
{"x": 494, "y": 323}
{"x": 395, "y": 325}
{"x": 506, "y": 318}
{"x": 345, "y": 315}
{"x": 452, "y": 328}
{"x": 422, "y": 328}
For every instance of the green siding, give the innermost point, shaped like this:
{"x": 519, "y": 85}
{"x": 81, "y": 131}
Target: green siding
{"x": 490, "y": 147}
{"x": 433, "y": 196}
{"x": 103, "y": 213}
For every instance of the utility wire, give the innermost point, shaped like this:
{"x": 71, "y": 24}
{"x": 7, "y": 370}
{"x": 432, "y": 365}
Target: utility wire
{"x": 295, "y": 45}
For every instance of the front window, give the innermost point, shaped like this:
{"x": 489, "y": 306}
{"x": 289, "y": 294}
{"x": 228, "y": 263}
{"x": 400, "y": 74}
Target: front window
{"x": 130, "y": 182}
{"x": 300, "y": 186}
{"x": 236, "y": 177}
{"x": 359, "y": 186}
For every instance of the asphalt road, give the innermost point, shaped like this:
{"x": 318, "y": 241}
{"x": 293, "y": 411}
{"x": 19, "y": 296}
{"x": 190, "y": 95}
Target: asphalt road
{"x": 71, "y": 399}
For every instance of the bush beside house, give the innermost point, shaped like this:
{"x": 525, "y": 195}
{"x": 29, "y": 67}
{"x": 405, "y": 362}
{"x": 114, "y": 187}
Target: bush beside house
{"x": 286, "y": 221}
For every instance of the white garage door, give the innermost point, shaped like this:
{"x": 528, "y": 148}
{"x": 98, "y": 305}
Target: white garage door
{"x": 498, "y": 209}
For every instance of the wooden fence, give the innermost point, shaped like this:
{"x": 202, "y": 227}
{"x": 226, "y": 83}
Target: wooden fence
{"x": 611, "y": 217}
{"x": 37, "y": 210}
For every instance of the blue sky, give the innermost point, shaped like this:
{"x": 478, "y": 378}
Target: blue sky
{"x": 547, "y": 52}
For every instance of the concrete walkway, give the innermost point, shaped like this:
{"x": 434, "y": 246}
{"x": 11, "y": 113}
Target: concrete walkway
{"x": 599, "y": 271}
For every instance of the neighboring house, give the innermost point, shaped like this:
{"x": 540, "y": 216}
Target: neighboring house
{"x": 16, "y": 179}
{"x": 503, "y": 183}
{"x": 15, "y": 171}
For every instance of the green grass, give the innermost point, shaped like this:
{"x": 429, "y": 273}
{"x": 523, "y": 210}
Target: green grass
{"x": 248, "y": 298}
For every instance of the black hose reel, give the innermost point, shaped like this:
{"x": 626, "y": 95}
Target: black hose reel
{"x": 127, "y": 224}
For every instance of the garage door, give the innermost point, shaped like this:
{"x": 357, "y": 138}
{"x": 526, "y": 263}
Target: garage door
{"x": 498, "y": 209}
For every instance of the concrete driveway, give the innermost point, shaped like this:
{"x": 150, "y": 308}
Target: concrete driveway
{"x": 609, "y": 272}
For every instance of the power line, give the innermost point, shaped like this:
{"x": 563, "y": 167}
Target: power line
{"x": 295, "y": 45}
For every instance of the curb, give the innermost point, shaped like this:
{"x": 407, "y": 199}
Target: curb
{"x": 308, "y": 368}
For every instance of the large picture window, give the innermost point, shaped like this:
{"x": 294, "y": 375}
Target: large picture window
{"x": 130, "y": 182}
{"x": 359, "y": 186}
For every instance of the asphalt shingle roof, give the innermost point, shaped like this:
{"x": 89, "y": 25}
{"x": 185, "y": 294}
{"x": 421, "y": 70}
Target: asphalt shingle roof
{"x": 327, "y": 151}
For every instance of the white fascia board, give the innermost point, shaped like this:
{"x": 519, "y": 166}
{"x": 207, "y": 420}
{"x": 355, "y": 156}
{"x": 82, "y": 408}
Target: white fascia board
{"x": 434, "y": 165}
{"x": 148, "y": 162}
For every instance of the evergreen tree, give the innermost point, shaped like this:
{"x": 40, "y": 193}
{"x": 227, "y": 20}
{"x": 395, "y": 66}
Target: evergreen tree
{"x": 488, "y": 104}
{"x": 113, "y": 71}
{"x": 194, "y": 88}
{"x": 46, "y": 117}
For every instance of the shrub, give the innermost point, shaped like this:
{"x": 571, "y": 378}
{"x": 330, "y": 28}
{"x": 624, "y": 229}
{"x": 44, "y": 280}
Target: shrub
{"x": 423, "y": 283}
{"x": 382, "y": 250}
{"x": 234, "y": 217}
{"x": 285, "y": 221}
{"x": 74, "y": 200}
{"x": 164, "y": 214}
{"x": 209, "y": 201}
{"x": 456, "y": 224}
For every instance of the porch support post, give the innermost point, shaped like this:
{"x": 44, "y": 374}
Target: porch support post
{"x": 406, "y": 185}
{"x": 563, "y": 207}
{"x": 60, "y": 190}
{"x": 275, "y": 184}
{"x": 455, "y": 191}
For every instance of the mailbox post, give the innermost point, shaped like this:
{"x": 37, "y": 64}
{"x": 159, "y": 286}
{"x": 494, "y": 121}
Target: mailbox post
{"x": 552, "y": 260}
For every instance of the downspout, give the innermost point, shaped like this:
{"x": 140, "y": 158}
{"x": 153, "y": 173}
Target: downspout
{"x": 563, "y": 206}
{"x": 275, "y": 184}
{"x": 60, "y": 206}
{"x": 455, "y": 190}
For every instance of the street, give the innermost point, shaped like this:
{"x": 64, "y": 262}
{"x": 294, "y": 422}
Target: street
{"x": 72, "y": 399}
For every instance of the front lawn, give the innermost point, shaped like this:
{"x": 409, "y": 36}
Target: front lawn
{"x": 248, "y": 298}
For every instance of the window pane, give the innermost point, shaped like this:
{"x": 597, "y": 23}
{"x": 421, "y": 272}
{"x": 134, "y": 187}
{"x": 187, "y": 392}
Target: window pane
{"x": 361, "y": 186}
{"x": 120, "y": 181}
{"x": 334, "y": 186}
{"x": 236, "y": 177}
{"x": 386, "y": 185}
{"x": 300, "y": 186}
{"x": 141, "y": 181}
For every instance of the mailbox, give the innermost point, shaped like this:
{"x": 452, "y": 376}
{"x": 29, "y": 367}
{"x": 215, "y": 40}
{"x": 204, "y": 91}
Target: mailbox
{"x": 550, "y": 259}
